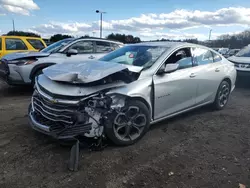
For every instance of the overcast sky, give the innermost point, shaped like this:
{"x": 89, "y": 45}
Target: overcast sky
{"x": 172, "y": 19}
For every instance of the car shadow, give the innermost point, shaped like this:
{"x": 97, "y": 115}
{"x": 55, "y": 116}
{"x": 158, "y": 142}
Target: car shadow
{"x": 243, "y": 82}
{"x": 15, "y": 91}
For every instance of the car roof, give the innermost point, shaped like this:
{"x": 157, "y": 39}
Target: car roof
{"x": 24, "y": 37}
{"x": 170, "y": 44}
{"x": 98, "y": 39}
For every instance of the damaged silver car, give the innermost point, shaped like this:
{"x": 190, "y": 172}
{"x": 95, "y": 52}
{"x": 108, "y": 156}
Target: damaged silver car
{"x": 123, "y": 93}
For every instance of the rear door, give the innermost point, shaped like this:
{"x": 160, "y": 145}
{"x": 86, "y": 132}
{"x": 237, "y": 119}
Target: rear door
{"x": 208, "y": 68}
{"x": 37, "y": 44}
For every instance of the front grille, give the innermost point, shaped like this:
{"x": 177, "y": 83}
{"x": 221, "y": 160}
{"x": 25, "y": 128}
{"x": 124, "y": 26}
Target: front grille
{"x": 54, "y": 112}
{"x": 241, "y": 65}
{"x": 59, "y": 117}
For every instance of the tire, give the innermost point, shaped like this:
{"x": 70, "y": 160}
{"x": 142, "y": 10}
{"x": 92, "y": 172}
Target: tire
{"x": 133, "y": 118}
{"x": 37, "y": 73}
{"x": 222, "y": 96}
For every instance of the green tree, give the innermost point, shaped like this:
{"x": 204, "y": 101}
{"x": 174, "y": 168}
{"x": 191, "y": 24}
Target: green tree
{"x": 123, "y": 38}
{"x": 58, "y": 37}
{"x": 22, "y": 33}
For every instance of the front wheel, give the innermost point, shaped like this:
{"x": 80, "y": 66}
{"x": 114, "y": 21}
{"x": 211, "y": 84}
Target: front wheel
{"x": 222, "y": 96}
{"x": 37, "y": 73}
{"x": 130, "y": 124}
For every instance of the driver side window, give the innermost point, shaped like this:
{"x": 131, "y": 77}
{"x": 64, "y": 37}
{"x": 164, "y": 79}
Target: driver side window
{"x": 182, "y": 57}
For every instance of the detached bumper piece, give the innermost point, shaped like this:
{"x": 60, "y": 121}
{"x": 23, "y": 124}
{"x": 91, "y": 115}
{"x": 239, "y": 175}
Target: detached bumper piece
{"x": 57, "y": 120}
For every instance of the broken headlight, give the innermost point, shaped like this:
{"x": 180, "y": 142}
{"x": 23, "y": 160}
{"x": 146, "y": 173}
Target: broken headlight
{"x": 100, "y": 102}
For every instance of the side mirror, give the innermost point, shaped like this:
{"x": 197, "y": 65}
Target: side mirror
{"x": 168, "y": 68}
{"x": 171, "y": 67}
{"x": 72, "y": 52}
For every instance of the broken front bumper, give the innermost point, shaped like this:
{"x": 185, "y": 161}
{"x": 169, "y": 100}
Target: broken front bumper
{"x": 54, "y": 118}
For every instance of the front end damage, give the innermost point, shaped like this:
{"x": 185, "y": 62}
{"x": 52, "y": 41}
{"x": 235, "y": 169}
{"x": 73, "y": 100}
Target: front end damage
{"x": 73, "y": 101}
{"x": 69, "y": 117}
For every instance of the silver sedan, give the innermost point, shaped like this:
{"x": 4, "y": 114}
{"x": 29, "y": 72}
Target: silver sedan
{"x": 120, "y": 95}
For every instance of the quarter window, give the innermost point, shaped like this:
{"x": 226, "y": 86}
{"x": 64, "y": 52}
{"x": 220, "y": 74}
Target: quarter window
{"x": 35, "y": 43}
{"x": 102, "y": 47}
{"x": 15, "y": 44}
{"x": 202, "y": 56}
{"x": 83, "y": 47}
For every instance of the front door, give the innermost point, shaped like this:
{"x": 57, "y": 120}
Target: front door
{"x": 175, "y": 91}
{"x": 85, "y": 51}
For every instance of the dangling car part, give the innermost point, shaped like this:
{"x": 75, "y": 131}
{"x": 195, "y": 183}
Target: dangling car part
{"x": 120, "y": 95}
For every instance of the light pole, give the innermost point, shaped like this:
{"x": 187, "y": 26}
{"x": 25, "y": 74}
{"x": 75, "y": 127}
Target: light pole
{"x": 13, "y": 24}
{"x": 210, "y": 34}
{"x": 101, "y": 12}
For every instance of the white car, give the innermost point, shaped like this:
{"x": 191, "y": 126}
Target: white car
{"x": 241, "y": 61}
{"x": 22, "y": 68}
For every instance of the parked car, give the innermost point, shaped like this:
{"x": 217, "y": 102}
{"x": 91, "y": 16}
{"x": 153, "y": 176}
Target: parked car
{"x": 223, "y": 51}
{"x": 241, "y": 61}
{"x": 216, "y": 49}
{"x": 22, "y": 68}
{"x": 11, "y": 44}
{"x": 231, "y": 52}
{"x": 120, "y": 95}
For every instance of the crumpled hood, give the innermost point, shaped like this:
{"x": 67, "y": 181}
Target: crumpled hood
{"x": 85, "y": 71}
{"x": 239, "y": 59}
{"x": 22, "y": 55}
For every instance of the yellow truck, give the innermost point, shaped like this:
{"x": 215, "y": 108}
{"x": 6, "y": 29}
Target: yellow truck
{"x": 11, "y": 44}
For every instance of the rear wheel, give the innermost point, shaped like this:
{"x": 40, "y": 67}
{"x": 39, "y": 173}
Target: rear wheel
{"x": 130, "y": 124}
{"x": 222, "y": 96}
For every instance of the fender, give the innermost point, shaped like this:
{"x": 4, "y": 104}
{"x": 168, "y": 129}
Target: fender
{"x": 39, "y": 67}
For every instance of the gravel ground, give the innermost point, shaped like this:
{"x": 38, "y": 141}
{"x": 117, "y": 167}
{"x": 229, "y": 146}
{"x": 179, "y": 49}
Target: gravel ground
{"x": 202, "y": 148}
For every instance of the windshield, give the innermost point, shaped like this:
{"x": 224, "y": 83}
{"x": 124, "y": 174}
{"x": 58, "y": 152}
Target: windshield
{"x": 55, "y": 47}
{"x": 142, "y": 56}
{"x": 245, "y": 52}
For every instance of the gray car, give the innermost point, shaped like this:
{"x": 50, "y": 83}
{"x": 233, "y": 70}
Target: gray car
{"x": 123, "y": 93}
{"x": 22, "y": 68}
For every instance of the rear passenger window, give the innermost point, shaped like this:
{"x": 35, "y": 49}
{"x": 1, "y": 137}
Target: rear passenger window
{"x": 35, "y": 43}
{"x": 217, "y": 57}
{"x": 202, "y": 56}
{"x": 15, "y": 44}
{"x": 0, "y": 44}
{"x": 102, "y": 47}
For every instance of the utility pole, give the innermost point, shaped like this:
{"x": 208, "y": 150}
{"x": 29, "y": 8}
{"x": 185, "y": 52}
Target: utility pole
{"x": 101, "y": 12}
{"x": 13, "y": 24}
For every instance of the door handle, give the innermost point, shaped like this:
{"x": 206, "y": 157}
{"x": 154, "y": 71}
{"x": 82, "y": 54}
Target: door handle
{"x": 192, "y": 75}
{"x": 217, "y": 70}
{"x": 91, "y": 57}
